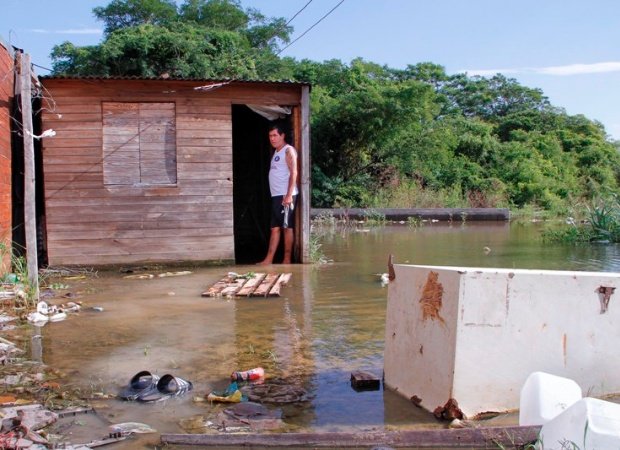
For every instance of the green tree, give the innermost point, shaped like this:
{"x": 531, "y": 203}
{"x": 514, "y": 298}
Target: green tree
{"x": 203, "y": 38}
{"x": 491, "y": 98}
{"x": 150, "y": 51}
{"x": 130, "y": 13}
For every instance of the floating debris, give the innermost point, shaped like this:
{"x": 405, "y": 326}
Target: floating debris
{"x": 246, "y": 415}
{"x": 249, "y": 285}
{"x": 131, "y": 427}
{"x": 174, "y": 274}
{"x": 276, "y": 391}
{"x": 46, "y": 313}
{"x": 140, "y": 276}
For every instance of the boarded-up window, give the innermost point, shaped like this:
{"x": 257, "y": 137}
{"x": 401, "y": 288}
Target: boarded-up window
{"x": 139, "y": 143}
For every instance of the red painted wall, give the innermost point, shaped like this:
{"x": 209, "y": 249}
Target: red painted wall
{"x": 6, "y": 98}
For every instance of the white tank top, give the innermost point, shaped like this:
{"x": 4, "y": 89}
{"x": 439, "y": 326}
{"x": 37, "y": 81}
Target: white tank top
{"x": 279, "y": 173}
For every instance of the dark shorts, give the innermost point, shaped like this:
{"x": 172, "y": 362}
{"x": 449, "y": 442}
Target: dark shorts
{"x": 277, "y": 212}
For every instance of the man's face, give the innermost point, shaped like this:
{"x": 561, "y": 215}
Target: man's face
{"x": 276, "y": 139}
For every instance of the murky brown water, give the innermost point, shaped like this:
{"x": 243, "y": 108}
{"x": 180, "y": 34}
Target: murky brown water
{"x": 329, "y": 322}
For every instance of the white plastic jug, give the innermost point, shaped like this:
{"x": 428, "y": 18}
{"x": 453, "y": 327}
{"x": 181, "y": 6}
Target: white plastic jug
{"x": 544, "y": 396}
{"x": 590, "y": 423}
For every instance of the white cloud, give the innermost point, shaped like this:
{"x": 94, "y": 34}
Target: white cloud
{"x": 68, "y": 31}
{"x": 569, "y": 69}
{"x": 578, "y": 69}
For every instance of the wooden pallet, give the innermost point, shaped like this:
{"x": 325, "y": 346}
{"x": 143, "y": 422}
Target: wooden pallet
{"x": 254, "y": 285}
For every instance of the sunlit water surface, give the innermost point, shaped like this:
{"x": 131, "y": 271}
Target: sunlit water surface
{"x": 328, "y": 323}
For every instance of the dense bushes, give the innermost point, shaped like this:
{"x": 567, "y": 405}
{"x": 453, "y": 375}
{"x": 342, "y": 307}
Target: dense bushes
{"x": 476, "y": 141}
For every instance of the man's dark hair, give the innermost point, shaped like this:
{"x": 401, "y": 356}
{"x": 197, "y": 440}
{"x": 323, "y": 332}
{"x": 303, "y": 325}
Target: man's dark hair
{"x": 279, "y": 128}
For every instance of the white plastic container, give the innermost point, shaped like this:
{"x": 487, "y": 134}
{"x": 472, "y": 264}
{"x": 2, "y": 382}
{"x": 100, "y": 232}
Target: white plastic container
{"x": 545, "y": 396}
{"x": 588, "y": 424}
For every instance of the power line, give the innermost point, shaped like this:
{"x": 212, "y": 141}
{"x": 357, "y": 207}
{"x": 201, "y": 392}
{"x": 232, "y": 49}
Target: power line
{"x": 41, "y": 67}
{"x": 313, "y": 25}
{"x": 298, "y": 12}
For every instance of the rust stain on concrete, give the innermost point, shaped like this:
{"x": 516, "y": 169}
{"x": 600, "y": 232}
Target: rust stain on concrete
{"x": 564, "y": 348}
{"x": 432, "y": 296}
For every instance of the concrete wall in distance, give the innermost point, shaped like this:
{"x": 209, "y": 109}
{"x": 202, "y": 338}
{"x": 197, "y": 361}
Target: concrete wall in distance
{"x": 474, "y": 335}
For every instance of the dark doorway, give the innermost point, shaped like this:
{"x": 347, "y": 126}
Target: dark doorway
{"x": 251, "y": 197}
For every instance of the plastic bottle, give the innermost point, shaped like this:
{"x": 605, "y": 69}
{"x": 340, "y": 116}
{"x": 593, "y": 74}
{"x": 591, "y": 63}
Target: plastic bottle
{"x": 248, "y": 375}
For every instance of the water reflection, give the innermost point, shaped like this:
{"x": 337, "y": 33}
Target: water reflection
{"x": 329, "y": 322}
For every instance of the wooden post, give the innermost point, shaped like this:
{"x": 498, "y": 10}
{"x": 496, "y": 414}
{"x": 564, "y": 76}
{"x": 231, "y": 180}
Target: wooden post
{"x": 30, "y": 219}
{"x": 305, "y": 175}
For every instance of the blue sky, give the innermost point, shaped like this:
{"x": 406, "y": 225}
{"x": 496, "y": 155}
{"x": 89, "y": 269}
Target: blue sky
{"x": 568, "y": 48}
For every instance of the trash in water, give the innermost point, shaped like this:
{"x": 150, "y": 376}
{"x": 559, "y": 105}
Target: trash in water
{"x": 46, "y": 313}
{"x": 70, "y": 307}
{"x": 131, "y": 427}
{"x": 140, "y": 276}
{"x": 544, "y": 396}
{"x": 253, "y": 415}
{"x": 173, "y": 274}
{"x": 194, "y": 424}
{"x": 591, "y": 422}
{"x": 58, "y": 317}
{"x": 364, "y": 381}
{"x": 276, "y": 391}
{"x": 11, "y": 278}
{"x": 231, "y": 394}
{"x": 248, "y": 375}
{"x": 4, "y": 318}
{"x": 384, "y": 278}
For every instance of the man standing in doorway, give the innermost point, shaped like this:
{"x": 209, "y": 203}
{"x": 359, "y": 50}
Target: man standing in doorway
{"x": 283, "y": 187}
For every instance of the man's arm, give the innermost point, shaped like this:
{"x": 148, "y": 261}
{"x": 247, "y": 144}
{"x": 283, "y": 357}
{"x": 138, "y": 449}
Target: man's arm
{"x": 291, "y": 162}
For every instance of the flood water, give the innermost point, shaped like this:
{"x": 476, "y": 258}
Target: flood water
{"x": 329, "y": 322}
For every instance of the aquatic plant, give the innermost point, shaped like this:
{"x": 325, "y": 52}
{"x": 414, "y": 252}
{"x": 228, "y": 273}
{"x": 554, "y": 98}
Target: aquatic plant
{"x": 604, "y": 218}
{"x": 314, "y": 249}
{"x": 26, "y": 292}
{"x": 374, "y": 217}
{"x": 568, "y": 234}
{"x": 414, "y": 221}
{"x": 601, "y": 223}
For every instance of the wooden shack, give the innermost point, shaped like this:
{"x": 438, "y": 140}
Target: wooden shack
{"x": 162, "y": 170}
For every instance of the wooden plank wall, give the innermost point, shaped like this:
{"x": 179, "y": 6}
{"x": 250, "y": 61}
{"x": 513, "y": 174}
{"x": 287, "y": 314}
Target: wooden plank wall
{"x": 89, "y": 223}
{"x": 7, "y": 79}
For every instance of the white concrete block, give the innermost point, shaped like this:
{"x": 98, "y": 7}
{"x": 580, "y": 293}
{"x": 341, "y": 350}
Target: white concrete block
{"x": 476, "y": 334}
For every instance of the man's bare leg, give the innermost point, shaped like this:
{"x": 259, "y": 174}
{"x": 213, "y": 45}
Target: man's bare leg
{"x": 274, "y": 240}
{"x": 288, "y": 245}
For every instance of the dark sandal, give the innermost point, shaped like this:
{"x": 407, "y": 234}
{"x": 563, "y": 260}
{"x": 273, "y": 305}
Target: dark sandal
{"x": 142, "y": 383}
{"x": 167, "y": 386}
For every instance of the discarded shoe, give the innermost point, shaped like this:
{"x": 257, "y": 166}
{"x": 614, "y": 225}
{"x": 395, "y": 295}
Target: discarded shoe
{"x": 167, "y": 386}
{"x": 142, "y": 383}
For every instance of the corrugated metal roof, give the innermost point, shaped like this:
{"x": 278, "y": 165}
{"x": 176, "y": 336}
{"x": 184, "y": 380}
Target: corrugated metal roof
{"x": 137, "y": 78}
